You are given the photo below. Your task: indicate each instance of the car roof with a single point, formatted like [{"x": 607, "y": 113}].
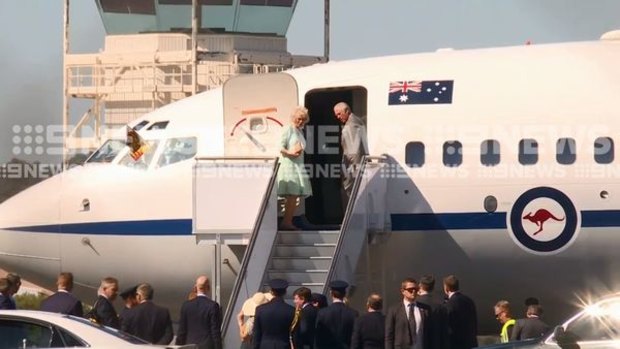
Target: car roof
[{"x": 95, "y": 335}]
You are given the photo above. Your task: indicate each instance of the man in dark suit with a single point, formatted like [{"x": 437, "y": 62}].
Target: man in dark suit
[
  {"x": 273, "y": 321},
  {"x": 129, "y": 296},
  {"x": 103, "y": 309},
  {"x": 530, "y": 327},
  {"x": 63, "y": 301},
  {"x": 462, "y": 318},
  {"x": 334, "y": 324},
  {"x": 406, "y": 323},
  {"x": 201, "y": 319},
  {"x": 148, "y": 320},
  {"x": 438, "y": 318},
  {"x": 305, "y": 315},
  {"x": 369, "y": 329},
  {"x": 5, "y": 294}
]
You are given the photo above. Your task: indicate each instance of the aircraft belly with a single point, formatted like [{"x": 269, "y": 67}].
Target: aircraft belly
[
  {"x": 130, "y": 259},
  {"x": 492, "y": 267},
  {"x": 35, "y": 256}
]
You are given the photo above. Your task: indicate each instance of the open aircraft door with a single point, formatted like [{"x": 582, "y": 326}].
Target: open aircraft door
[{"x": 256, "y": 107}]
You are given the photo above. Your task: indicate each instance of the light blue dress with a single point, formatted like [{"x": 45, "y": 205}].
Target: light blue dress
[{"x": 292, "y": 177}]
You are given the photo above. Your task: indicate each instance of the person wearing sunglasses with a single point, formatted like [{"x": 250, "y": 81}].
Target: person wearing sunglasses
[
  {"x": 406, "y": 323},
  {"x": 504, "y": 316}
]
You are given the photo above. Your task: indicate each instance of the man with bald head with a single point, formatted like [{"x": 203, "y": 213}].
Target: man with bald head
[{"x": 200, "y": 319}]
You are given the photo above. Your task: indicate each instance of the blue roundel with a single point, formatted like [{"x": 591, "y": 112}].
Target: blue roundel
[{"x": 537, "y": 213}]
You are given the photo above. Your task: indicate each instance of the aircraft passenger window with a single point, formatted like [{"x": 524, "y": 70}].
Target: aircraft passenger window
[
  {"x": 565, "y": 151},
  {"x": 284, "y": 3},
  {"x": 414, "y": 154},
  {"x": 177, "y": 149},
  {"x": 489, "y": 152},
  {"x": 528, "y": 151},
  {"x": 161, "y": 125},
  {"x": 143, "y": 162},
  {"x": 452, "y": 153},
  {"x": 145, "y": 7},
  {"x": 107, "y": 152},
  {"x": 604, "y": 150}
]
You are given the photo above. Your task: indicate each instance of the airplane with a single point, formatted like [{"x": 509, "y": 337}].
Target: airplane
[{"x": 501, "y": 162}]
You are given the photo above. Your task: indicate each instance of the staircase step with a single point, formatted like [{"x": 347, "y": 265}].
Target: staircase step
[
  {"x": 315, "y": 287},
  {"x": 301, "y": 262},
  {"x": 308, "y": 237},
  {"x": 314, "y": 250},
  {"x": 299, "y": 276}
]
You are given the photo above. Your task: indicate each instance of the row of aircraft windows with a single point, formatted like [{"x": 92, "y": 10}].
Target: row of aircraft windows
[
  {"x": 566, "y": 152},
  {"x": 147, "y": 7}
]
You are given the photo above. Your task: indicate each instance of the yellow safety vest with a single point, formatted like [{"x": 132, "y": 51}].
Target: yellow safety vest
[{"x": 503, "y": 336}]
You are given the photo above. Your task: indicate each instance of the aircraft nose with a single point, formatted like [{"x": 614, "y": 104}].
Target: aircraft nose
[{"x": 35, "y": 206}]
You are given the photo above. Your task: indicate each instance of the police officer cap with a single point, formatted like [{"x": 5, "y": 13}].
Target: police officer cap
[
  {"x": 278, "y": 284},
  {"x": 129, "y": 292},
  {"x": 338, "y": 285}
]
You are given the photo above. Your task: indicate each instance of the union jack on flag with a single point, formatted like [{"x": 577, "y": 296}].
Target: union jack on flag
[{"x": 405, "y": 86}]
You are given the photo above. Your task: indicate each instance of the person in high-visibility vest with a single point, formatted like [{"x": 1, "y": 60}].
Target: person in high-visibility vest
[{"x": 504, "y": 316}]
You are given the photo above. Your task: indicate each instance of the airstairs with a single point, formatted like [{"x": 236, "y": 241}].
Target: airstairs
[{"x": 310, "y": 258}]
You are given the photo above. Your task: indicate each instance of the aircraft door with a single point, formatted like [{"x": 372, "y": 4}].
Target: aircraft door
[{"x": 256, "y": 107}]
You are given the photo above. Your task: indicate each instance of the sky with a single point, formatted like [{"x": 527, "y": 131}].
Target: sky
[{"x": 32, "y": 32}]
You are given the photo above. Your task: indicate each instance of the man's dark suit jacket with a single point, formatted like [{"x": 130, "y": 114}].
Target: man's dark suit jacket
[
  {"x": 200, "y": 323},
  {"x": 64, "y": 303},
  {"x": 438, "y": 319},
  {"x": 462, "y": 322},
  {"x": 334, "y": 326},
  {"x": 106, "y": 313},
  {"x": 397, "y": 326},
  {"x": 149, "y": 322},
  {"x": 527, "y": 328},
  {"x": 6, "y": 303},
  {"x": 272, "y": 325},
  {"x": 369, "y": 331},
  {"x": 303, "y": 336}
]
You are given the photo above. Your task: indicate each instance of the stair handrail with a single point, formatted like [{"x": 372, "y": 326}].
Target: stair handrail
[
  {"x": 348, "y": 213},
  {"x": 248, "y": 252}
]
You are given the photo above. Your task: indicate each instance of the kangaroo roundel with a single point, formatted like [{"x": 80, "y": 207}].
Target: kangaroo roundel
[{"x": 543, "y": 220}]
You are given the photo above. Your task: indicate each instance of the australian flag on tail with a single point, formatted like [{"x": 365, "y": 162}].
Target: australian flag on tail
[{"x": 421, "y": 92}]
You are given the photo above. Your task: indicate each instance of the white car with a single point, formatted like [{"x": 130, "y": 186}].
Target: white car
[
  {"x": 37, "y": 329},
  {"x": 597, "y": 326}
]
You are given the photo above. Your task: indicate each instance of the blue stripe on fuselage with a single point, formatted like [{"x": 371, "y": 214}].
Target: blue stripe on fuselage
[
  {"x": 400, "y": 222},
  {"x": 150, "y": 227}
]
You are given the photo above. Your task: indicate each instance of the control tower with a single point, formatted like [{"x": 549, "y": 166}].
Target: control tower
[{"x": 160, "y": 51}]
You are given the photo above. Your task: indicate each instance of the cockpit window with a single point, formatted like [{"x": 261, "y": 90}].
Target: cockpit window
[
  {"x": 161, "y": 125},
  {"x": 143, "y": 162},
  {"x": 177, "y": 149},
  {"x": 140, "y": 125},
  {"x": 107, "y": 152}
]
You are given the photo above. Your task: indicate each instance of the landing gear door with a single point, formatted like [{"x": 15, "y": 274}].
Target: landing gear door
[{"x": 256, "y": 107}]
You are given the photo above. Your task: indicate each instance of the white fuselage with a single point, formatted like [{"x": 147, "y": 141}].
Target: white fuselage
[{"x": 138, "y": 226}]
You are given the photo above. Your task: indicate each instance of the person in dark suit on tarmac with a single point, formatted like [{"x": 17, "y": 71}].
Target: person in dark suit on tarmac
[
  {"x": 129, "y": 296},
  {"x": 305, "y": 313},
  {"x": 148, "y": 320},
  {"x": 103, "y": 309},
  {"x": 407, "y": 323},
  {"x": 530, "y": 327},
  {"x": 273, "y": 321},
  {"x": 334, "y": 324},
  {"x": 462, "y": 318},
  {"x": 369, "y": 329},
  {"x": 63, "y": 301},
  {"x": 438, "y": 318},
  {"x": 200, "y": 319}
]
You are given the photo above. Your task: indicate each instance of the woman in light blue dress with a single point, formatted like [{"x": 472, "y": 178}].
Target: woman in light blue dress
[{"x": 293, "y": 179}]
